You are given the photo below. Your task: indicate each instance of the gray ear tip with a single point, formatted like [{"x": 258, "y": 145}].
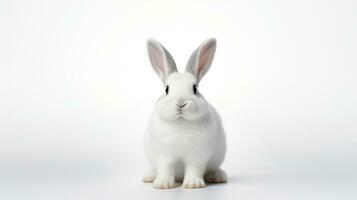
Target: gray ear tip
[
  {"x": 212, "y": 40},
  {"x": 152, "y": 42}
]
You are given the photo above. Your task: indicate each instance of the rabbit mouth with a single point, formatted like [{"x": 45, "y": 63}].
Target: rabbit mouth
[
  {"x": 181, "y": 115},
  {"x": 180, "y": 112}
]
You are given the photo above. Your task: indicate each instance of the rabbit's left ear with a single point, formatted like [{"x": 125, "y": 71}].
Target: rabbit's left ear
[
  {"x": 201, "y": 59},
  {"x": 160, "y": 59}
]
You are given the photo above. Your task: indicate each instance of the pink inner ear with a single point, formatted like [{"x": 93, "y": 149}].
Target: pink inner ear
[
  {"x": 205, "y": 58},
  {"x": 157, "y": 60}
]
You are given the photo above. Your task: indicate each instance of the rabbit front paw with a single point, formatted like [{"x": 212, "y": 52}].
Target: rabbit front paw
[
  {"x": 149, "y": 176},
  {"x": 164, "y": 182},
  {"x": 193, "y": 182}
]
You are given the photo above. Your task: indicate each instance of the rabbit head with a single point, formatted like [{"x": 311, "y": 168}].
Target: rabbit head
[{"x": 181, "y": 98}]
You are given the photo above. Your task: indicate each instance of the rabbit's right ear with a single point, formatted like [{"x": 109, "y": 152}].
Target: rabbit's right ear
[
  {"x": 160, "y": 59},
  {"x": 201, "y": 59}
]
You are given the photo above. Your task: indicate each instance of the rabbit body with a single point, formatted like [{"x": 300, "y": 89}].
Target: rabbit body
[{"x": 185, "y": 140}]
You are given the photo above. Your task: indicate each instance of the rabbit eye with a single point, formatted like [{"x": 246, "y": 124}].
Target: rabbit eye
[
  {"x": 167, "y": 90},
  {"x": 194, "y": 89}
]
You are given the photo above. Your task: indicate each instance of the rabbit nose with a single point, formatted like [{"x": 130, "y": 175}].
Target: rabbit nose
[{"x": 182, "y": 105}]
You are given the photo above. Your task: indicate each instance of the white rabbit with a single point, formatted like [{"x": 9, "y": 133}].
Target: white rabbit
[{"x": 185, "y": 139}]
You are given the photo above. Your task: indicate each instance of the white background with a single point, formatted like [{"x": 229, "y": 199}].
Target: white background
[{"x": 77, "y": 90}]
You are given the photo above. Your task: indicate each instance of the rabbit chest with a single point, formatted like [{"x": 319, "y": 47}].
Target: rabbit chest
[{"x": 182, "y": 139}]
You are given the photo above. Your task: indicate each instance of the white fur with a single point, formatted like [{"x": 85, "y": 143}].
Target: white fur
[{"x": 184, "y": 144}]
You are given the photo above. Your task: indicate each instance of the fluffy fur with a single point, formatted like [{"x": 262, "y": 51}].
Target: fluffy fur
[{"x": 185, "y": 140}]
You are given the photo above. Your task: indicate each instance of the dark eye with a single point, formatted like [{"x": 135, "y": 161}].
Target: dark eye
[
  {"x": 167, "y": 90},
  {"x": 195, "y": 89}
]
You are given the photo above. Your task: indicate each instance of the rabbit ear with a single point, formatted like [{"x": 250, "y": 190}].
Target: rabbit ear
[
  {"x": 201, "y": 59},
  {"x": 160, "y": 59}
]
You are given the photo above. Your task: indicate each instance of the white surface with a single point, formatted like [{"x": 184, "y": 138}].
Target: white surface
[{"x": 73, "y": 112}]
